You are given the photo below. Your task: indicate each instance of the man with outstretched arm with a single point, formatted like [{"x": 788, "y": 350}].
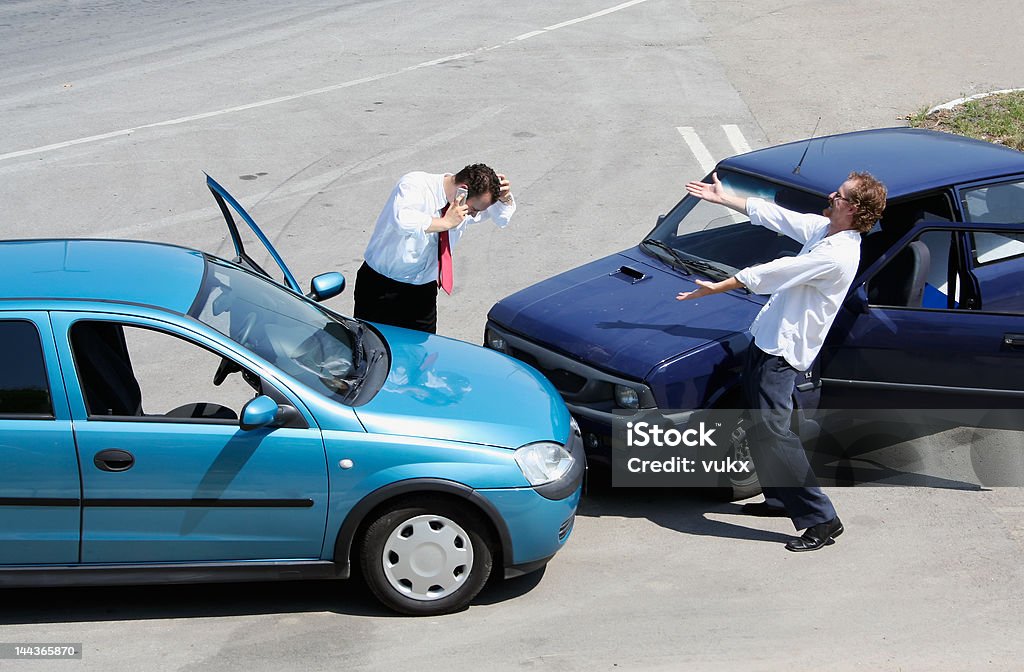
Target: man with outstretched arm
[{"x": 806, "y": 293}]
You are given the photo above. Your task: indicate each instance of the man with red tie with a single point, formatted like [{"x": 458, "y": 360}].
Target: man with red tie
[{"x": 410, "y": 252}]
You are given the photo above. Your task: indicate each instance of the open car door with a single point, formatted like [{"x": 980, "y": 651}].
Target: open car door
[{"x": 224, "y": 199}]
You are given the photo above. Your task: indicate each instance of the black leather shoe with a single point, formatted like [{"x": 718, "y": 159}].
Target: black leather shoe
[
  {"x": 817, "y": 536},
  {"x": 762, "y": 509}
]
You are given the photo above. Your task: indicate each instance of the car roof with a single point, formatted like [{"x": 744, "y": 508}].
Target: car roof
[
  {"x": 154, "y": 274},
  {"x": 907, "y": 160}
]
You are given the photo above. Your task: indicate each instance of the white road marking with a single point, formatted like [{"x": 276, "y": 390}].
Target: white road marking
[
  {"x": 736, "y": 139},
  {"x": 700, "y": 152},
  {"x": 314, "y": 92},
  {"x": 526, "y": 36},
  {"x": 588, "y": 17},
  {"x": 707, "y": 161}
]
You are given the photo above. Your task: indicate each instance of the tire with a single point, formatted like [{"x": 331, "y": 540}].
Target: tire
[
  {"x": 731, "y": 487},
  {"x": 426, "y": 558},
  {"x": 742, "y": 486}
]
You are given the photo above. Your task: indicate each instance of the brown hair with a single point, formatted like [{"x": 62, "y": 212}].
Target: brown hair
[
  {"x": 479, "y": 179},
  {"x": 868, "y": 194}
]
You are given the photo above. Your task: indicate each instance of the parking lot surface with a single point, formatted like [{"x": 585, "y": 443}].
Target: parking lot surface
[{"x": 599, "y": 112}]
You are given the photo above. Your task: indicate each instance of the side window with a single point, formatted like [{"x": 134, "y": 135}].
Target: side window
[
  {"x": 995, "y": 203},
  {"x": 997, "y": 260},
  {"x": 24, "y": 388},
  {"x": 929, "y": 273},
  {"x": 134, "y": 372},
  {"x": 988, "y": 247},
  {"x": 897, "y": 219}
]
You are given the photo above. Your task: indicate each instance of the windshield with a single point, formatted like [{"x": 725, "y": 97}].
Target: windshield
[
  {"x": 295, "y": 335},
  {"x": 718, "y": 242}
]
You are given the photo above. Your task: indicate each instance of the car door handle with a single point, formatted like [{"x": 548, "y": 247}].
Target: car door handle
[
  {"x": 114, "y": 459},
  {"x": 1014, "y": 340}
]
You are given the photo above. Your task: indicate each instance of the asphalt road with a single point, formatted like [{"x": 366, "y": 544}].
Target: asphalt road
[{"x": 309, "y": 111}]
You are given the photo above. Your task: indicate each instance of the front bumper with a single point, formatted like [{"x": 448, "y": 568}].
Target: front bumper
[
  {"x": 537, "y": 527},
  {"x": 539, "y": 520}
]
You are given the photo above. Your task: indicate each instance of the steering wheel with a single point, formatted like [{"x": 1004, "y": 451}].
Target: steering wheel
[{"x": 226, "y": 368}]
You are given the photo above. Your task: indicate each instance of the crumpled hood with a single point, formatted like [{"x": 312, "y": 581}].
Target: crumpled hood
[
  {"x": 614, "y": 321},
  {"x": 442, "y": 388}
]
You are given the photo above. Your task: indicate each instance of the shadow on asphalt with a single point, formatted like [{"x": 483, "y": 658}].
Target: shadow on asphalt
[
  {"x": 675, "y": 509},
  {"x": 133, "y": 603}
]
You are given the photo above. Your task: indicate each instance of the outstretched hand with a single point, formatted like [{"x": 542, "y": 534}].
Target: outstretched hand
[
  {"x": 704, "y": 288},
  {"x": 713, "y": 192}
]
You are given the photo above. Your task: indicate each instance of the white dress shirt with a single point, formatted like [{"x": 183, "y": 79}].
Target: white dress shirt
[
  {"x": 806, "y": 290},
  {"x": 400, "y": 246}
]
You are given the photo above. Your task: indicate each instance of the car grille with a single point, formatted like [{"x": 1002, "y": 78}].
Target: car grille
[{"x": 564, "y": 381}]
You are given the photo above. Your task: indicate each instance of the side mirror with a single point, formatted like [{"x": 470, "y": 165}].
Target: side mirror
[
  {"x": 661, "y": 218},
  {"x": 258, "y": 412},
  {"x": 326, "y": 285}
]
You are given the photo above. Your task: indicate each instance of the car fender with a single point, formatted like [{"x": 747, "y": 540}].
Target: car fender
[{"x": 346, "y": 536}]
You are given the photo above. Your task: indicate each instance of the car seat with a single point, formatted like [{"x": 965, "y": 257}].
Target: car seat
[
  {"x": 105, "y": 369},
  {"x": 901, "y": 281}
]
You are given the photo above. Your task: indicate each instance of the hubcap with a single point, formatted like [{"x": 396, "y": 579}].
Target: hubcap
[{"x": 427, "y": 557}]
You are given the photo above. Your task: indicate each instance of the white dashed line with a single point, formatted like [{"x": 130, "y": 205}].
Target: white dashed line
[
  {"x": 736, "y": 139},
  {"x": 700, "y": 152},
  {"x": 315, "y": 92},
  {"x": 526, "y": 36},
  {"x": 588, "y": 17}
]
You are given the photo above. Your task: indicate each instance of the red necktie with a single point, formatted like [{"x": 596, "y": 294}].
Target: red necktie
[{"x": 445, "y": 277}]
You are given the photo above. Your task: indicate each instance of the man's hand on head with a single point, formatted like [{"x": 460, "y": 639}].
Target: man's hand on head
[{"x": 505, "y": 189}]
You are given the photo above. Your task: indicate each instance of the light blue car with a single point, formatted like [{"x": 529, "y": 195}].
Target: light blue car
[{"x": 167, "y": 416}]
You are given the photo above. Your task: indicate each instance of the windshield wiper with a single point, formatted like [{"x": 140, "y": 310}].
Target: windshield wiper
[
  {"x": 358, "y": 381},
  {"x": 357, "y": 346},
  {"x": 678, "y": 258},
  {"x": 706, "y": 267}
]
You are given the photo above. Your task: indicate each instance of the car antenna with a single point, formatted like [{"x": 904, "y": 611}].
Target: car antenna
[{"x": 796, "y": 171}]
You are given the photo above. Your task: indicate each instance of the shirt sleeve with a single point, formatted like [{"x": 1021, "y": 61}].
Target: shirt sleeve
[
  {"x": 796, "y": 225},
  {"x": 815, "y": 268},
  {"x": 412, "y": 208},
  {"x": 500, "y": 212}
]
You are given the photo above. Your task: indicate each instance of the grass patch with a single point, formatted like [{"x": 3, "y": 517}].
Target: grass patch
[{"x": 998, "y": 118}]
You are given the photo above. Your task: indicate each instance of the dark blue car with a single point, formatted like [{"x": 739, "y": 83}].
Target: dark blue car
[{"x": 935, "y": 318}]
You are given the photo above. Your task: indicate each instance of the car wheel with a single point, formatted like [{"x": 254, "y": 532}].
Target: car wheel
[
  {"x": 734, "y": 487},
  {"x": 741, "y": 486},
  {"x": 427, "y": 558}
]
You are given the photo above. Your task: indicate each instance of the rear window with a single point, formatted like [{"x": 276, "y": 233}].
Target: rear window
[{"x": 24, "y": 390}]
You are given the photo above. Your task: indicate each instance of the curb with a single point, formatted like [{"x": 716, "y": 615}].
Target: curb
[{"x": 960, "y": 101}]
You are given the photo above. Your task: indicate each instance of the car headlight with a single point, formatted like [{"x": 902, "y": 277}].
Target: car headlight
[
  {"x": 544, "y": 462},
  {"x": 495, "y": 341},
  {"x": 627, "y": 397}
]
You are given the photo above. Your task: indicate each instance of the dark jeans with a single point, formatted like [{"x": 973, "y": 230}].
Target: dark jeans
[
  {"x": 380, "y": 299},
  {"x": 769, "y": 384}
]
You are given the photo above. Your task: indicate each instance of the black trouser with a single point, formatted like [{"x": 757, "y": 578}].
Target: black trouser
[
  {"x": 769, "y": 384},
  {"x": 381, "y": 299}
]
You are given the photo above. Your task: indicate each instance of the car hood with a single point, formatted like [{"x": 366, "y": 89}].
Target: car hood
[
  {"x": 446, "y": 389},
  {"x": 619, "y": 313}
]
